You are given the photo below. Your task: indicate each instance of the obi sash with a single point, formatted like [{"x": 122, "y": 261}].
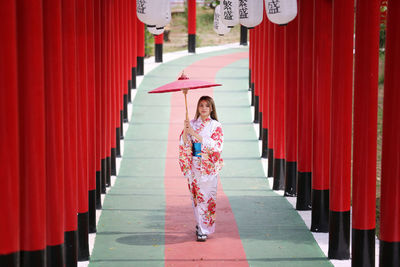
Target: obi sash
[{"x": 197, "y": 150}]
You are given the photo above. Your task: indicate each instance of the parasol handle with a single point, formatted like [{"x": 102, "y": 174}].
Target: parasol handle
[{"x": 185, "y": 93}]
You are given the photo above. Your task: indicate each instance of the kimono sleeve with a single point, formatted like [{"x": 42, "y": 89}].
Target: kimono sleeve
[
  {"x": 213, "y": 145},
  {"x": 185, "y": 156}
]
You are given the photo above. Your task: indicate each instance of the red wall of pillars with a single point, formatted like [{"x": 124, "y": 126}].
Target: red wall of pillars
[
  {"x": 324, "y": 105},
  {"x": 64, "y": 70}
]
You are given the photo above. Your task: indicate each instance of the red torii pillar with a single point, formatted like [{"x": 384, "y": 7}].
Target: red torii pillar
[
  {"x": 54, "y": 102},
  {"x": 264, "y": 100},
  {"x": 304, "y": 115},
  {"x": 31, "y": 122},
  {"x": 109, "y": 86},
  {"x": 129, "y": 32},
  {"x": 9, "y": 139},
  {"x": 252, "y": 64},
  {"x": 83, "y": 161},
  {"x": 251, "y": 47},
  {"x": 98, "y": 80},
  {"x": 191, "y": 26},
  {"x": 365, "y": 132},
  {"x": 279, "y": 109},
  {"x": 133, "y": 43},
  {"x": 257, "y": 59},
  {"x": 124, "y": 57},
  {"x": 140, "y": 47},
  {"x": 389, "y": 254},
  {"x": 92, "y": 123},
  {"x": 70, "y": 131},
  {"x": 260, "y": 74},
  {"x": 291, "y": 84},
  {"x": 158, "y": 47},
  {"x": 341, "y": 129},
  {"x": 321, "y": 114},
  {"x": 105, "y": 74},
  {"x": 118, "y": 89},
  {"x": 119, "y": 81},
  {"x": 271, "y": 97},
  {"x": 115, "y": 92}
]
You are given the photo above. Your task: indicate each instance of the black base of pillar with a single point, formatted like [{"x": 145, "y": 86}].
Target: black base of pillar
[
  {"x": 92, "y": 211},
  {"x": 339, "y": 235},
  {"x": 192, "y": 43},
  {"x": 252, "y": 94},
  {"x": 129, "y": 92},
  {"x": 108, "y": 169},
  {"x": 363, "y": 248},
  {"x": 389, "y": 254},
  {"x": 118, "y": 142},
  {"x": 320, "y": 211},
  {"x": 256, "y": 113},
  {"x": 279, "y": 174},
  {"x": 303, "y": 191},
  {"x": 125, "y": 111},
  {"x": 264, "y": 149},
  {"x": 133, "y": 81},
  {"x": 243, "y": 35},
  {"x": 158, "y": 53},
  {"x": 83, "y": 236},
  {"x": 113, "y": 162},
  {"x": 290, "y": 179},
  {"x": 249, "y": 79},
  {"x": 71, "y": 248},
  {"x": 55, "y": 256},
  {"x": 140, "y": 66},
  {"x": 260, "y": 119},
  {"x": 98, "y": 190},
  {"x": 32, "y": 258},
  {"x": 270, "y": 162},
  {"x": 103, "y": 175},
  {"x": 121, "y": 121},
  {"x": 11, "y": 259}
]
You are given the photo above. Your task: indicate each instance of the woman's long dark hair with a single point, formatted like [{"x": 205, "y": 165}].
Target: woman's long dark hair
[{"x": 211, "y": 103}]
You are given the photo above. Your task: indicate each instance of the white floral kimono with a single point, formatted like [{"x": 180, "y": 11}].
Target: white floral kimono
[{"x": 202, "y": 172}]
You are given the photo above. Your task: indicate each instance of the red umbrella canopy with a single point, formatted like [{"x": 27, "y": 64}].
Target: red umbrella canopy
[{"x": 182, "y": 83}]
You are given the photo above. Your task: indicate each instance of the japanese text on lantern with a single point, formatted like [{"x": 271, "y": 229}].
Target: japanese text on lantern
[
  {"x": 141, "y": 6},
  {"x": 228, "y": 13},
  {"x": 243, "y": 9},
  {"x": 274, "y": 6}
]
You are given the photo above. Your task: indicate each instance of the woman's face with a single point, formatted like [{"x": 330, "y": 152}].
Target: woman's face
[{"x": 204, "y": 109}]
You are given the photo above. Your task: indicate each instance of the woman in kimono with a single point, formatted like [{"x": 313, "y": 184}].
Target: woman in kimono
[{"x": 200, "y": 160}]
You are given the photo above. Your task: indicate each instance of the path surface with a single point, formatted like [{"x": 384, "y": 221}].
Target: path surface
[{"x": 147, "y": 219}]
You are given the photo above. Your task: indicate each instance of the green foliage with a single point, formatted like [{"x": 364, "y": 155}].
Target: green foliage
[
  {"x": 205, "y": 19},
  {"x": 381, "y": 67},
  {"x": 382, "y": 36},
  {"x": 148, "y": 43}
]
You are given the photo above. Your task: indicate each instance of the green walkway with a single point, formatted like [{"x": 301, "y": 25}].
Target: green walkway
[{"x": 131, "y": 228}]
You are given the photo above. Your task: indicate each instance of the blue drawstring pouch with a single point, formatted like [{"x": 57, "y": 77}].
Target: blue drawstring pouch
[{"x": 197, "y": 150}]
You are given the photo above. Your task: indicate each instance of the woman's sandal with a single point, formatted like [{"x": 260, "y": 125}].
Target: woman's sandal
[{"x": 200, "y": 236}]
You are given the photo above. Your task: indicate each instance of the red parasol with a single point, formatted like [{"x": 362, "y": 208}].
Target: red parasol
[{"x": 183, "y": 84}]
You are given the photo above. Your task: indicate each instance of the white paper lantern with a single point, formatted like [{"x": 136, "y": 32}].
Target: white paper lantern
[
  {"x": 230, "y": 12},
  {"x": 219, "y": 27},
  {"x": 281, "y": 11},
  {"x": 167, "y": 16},
  {"x": 152, "y": 12},
  {"x": 250, "y": 12},
  {"x": 155, "y": 30}
]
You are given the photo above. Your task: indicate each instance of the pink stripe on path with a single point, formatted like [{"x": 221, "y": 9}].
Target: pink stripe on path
[{"x": 224, "y": 247}]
